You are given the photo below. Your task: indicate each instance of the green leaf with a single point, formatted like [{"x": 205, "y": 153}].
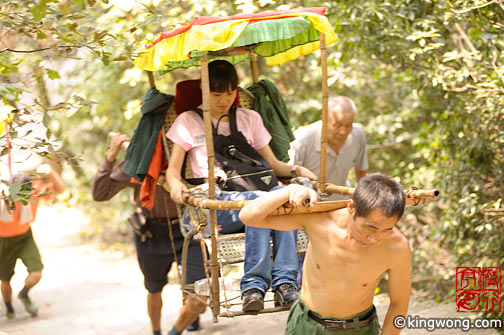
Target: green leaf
[
  {"x": 99, "y": 35},
  {"x": 4, "y": 151},
  {"x": 83, "y": 101},
  {"x": 41, "y": 35},
  {"x": 14, "y": 188},
  {"x": 44, "y": 193},
  {"x": 65, "y": 9},
  {"x": 52, "y": 74},
  {"x": 78, "y": 2},
  {"x": 39, "y": 11},
  {"x": 474, "y": 33},
  {"x": 45, "y": 120}
]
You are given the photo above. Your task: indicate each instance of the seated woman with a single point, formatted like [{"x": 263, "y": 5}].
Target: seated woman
[{"x": 187, "y": 134}]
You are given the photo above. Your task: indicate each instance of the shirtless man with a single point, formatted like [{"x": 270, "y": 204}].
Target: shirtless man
[{"x": 350, "y": 250}]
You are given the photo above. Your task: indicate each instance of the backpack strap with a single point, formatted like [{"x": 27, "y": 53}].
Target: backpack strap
[
  {"x": 200, "y": 113},
  {"x": 232, "y": 120}
]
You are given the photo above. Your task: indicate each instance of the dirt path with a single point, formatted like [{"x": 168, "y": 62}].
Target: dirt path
[{"x": 85, "y": 291}]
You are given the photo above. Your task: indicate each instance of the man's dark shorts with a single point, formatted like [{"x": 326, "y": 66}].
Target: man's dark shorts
[
  {"x": 22, "y": 247},
  {"x": 155, "y": 256}
]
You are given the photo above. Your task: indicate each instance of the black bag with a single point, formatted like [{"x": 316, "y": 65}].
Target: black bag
[
  {"x": 138, "y": 222},
  {"x": 245, "y": 168}
]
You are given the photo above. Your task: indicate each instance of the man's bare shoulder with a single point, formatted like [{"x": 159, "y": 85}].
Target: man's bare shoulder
[
  {"x": 397, "y": 245},
  {"x": 315, "y": 221},
  {"x": 318, "y": 217},
  {"x": 337, "y": 217}
]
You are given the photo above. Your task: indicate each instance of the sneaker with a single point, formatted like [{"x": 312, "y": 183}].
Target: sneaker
[
  {"x": 285, "y": 295},
  {"x": 10, "y": 316},
  {"x": 28, "y": 304},
  {"x": 253, "y": 300},
  {"x": 193, "y": 326}
]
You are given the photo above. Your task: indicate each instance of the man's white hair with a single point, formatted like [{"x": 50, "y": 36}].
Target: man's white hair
[{"x": 345, "y": 103}]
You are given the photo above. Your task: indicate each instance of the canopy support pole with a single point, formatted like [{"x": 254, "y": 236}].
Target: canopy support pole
[
  {"x": 207, "y": 119},
  {"x": 254, "y": 67},
  {"x": 325, "y": 108},
  {"x": 152, "y": 82}
]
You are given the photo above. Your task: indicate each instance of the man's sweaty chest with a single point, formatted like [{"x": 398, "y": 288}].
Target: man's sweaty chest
[{"x": 358, "y": 268}]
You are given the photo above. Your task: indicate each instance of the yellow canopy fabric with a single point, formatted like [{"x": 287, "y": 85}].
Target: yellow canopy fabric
[
  {"x": 6, "y": 115},
  {"x": 214, "y": 34}
]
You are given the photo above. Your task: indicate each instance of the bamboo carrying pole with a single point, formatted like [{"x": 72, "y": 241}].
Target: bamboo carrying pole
[
  {"x": 207, "y": 119},
  {"x": 152, "y": 82},
  {"x": 325, "y": 107},
  {"x": 254, "y": 67},
  {"x": 286, "y": 209},
  {"x": 410, "y": 194},
  {"x": 413, "y": 197}
]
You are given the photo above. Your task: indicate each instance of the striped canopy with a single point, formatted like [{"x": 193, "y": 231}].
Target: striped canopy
[{"x": 277, "y": 36}]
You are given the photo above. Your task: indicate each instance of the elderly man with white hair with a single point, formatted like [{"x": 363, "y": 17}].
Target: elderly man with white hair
[{"x": 346, "y": 144}]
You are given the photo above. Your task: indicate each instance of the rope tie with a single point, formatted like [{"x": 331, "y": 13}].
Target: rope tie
[{"x": 416, "y": 200}]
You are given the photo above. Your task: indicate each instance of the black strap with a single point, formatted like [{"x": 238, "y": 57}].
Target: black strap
[
  {"x": 232, "y": 120},
  {"x": 364, "y": 320},
  {"x": 196, "y": 181},
  {"x": 231, "y": 115},
  {"x": 216, "y": 128}
]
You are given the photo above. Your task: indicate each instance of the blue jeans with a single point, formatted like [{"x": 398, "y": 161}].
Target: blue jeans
[
  {"x": 257, "y": 264},
  {"x": 229, "y": 220}
]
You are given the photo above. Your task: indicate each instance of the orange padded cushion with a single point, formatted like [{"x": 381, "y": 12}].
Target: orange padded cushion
[{"x": 188, "y": 95}]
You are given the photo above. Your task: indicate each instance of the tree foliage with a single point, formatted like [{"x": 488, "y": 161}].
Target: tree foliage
[{"x": 435, "y": 73}]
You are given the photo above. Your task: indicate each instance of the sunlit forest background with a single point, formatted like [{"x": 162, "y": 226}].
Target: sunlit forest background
[{"x": 427, "y": 77}]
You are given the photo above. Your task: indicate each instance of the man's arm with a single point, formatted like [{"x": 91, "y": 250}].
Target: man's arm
[
  {"x": 104, "y": 187},
  {"x": 282, "y": 169},
  {"x": 50, "y": 175},
  {"x": 59, "y": 184},
  {"x": 399, "y": 286},
  {"x": 360, "y": 174},
  {"x": 255, "y": 213}
]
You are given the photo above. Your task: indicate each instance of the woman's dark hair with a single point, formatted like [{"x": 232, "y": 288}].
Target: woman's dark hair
[
  {"x": 222, "y": 76},
  {"x": 376, "y": 191}
]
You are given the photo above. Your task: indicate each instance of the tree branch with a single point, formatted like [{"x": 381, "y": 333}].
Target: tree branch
[
  {"x": 465, "y": 38},
  {"x": 24, "y": 51},
  {"x": 494, "y": 64},
  {"x": 472, "y": 87},
  {"x": 468, "y": 9},
  {"x": 41, "y": 49}
]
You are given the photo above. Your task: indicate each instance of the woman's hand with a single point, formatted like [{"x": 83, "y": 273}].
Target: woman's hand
[{"x": 178, "y": 191}]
